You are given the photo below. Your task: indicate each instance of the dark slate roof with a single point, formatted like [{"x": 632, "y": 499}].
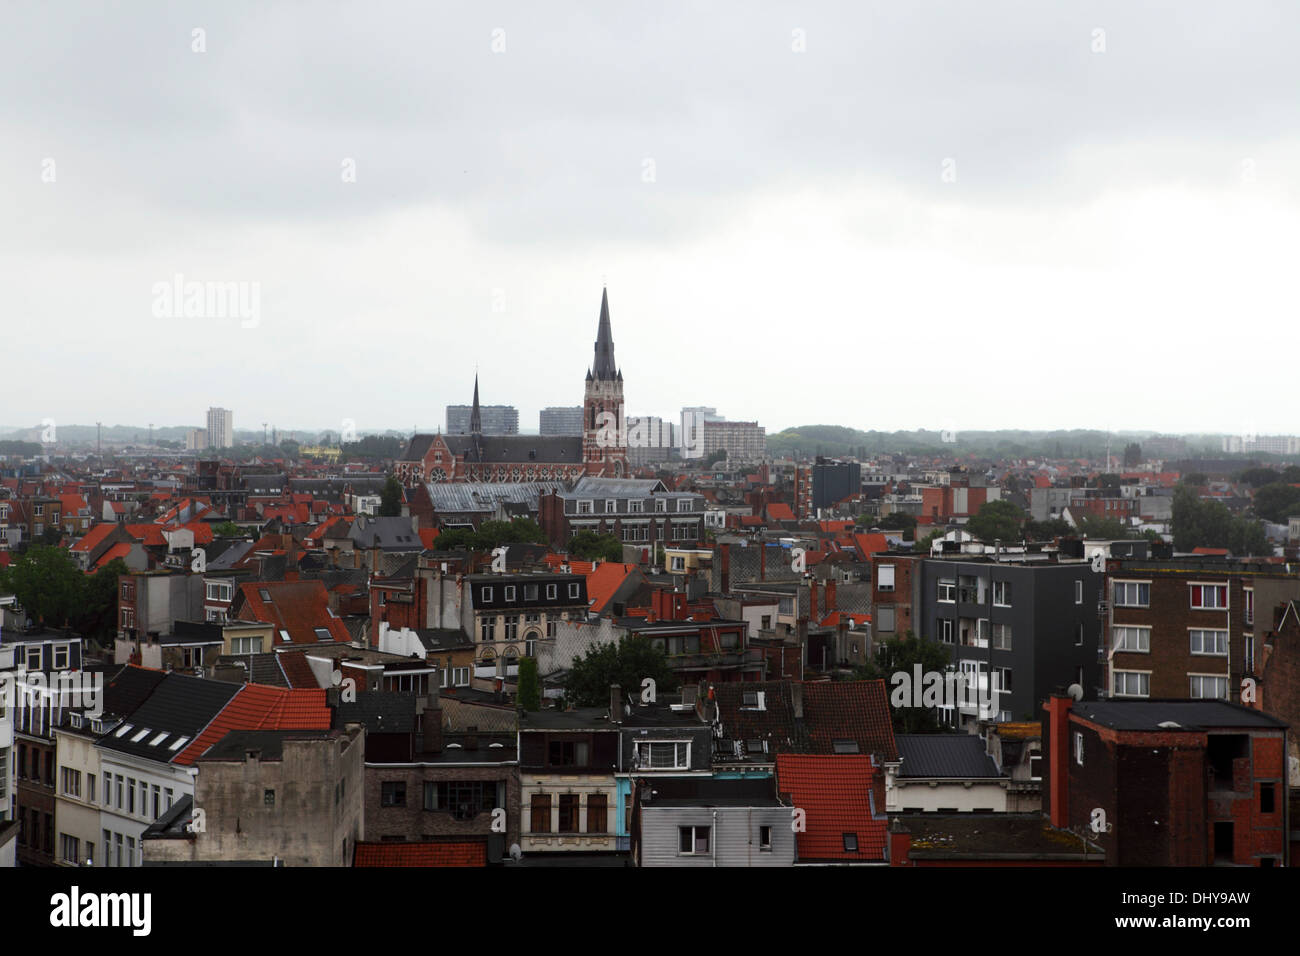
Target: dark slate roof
[
  {"x": 1190, "y": 715},
  {"x": 857, "y": 710},
  {"x": 172, "y": 824},
  {"x": 775, "y": 723},
  {"x": 417, "y": 448},
  {"x": 129, "y": 688},
  {"x": 580, "y": 718},
  {"x": 711, "y": 792},
  {"x": 380, "y": 711},
  {"x": 944, "y": 755},
  {"x": 264, "y": 669},
  {"x": 270, "y": 743},
  {"x": 543, "y": 449},
  {"x": 393, "y": 533},
  {"x": 179, "y": 706},
  {"x": 443, "y": 638}
]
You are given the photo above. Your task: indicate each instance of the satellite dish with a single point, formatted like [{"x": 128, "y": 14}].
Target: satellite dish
[
  {"x": 1075, "y": 691},
  {"x": 515, "y": 852}
]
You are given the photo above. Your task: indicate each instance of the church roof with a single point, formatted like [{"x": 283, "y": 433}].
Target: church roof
[
  {"x": 603, "y": 368},
  {"x": 524, "y": 449}
]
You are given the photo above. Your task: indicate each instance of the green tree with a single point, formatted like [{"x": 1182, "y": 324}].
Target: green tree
[
  {"x": 458, "y": 539},
  {"x": 493, "y": 534},
  {"x": 529, "y": 694},
  {"x": 1259, "y": 477},
  {"x": 589, "y": 546},
  {"x": 226, "y": 529},
  {"x": 1199, "y": 523},
  {"x": 923, "y": 545},
  {"x": 627, "y": 664},
  {"x": 1132, "y": 455},
  {"x": 46, "y": 582},
  {"x": 1276, "y": 501},
  {"x": 1103, "y": 529},
  {"x": 390, "y": 498},
  {"x": 996, "y": 521},
  {"x": 899, "y": 655},
  {"x": 96, "y": 613},
  {"x": 1046, "y": 530},
  {"x": 898, "y": 522}
]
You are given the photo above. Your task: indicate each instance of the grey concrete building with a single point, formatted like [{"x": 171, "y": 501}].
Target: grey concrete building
[
  {"x": 497, "y": 419},
  {"x": 560, "y": 420},
  {"x": 292, "y": 796}
]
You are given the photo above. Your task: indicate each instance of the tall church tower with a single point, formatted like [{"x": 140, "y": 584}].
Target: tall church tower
[{"x": 604, "y": 427}]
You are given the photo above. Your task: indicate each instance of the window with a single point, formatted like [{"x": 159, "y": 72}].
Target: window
[
  {"x": 947, "y": 590},
  {"x": 636, "y": 507},
  {"x": 945, "y": 630},
  {"x": 34, "y": 658},
  {"x": 1003, "y": 677},
  {"x": 1248, "y": 596},
  {"x": 71, "y": 849},
  {"x": 573, "y": 590},
  {"x": 1132, "y": 594},
  {"x": 693, "y": 841},
  {"x": 1133, "y": 640},
  {"x": 885, "y": 617},
  {"x": 1078, "y": 592},
  {"x": 1210, "y": 643},
  {"x": 1208, "y": 687},
  {"x": 550, "y": 592},
  {"x": 1267, "y": 797},
  {"x": 157, "y": 801},
  {"x": 1078, "y": 635},
  {"x": 245, "y": 645},
  {"x": 568, "y": 753},
  {"x": 530, "y": 593},
  {"x": 460, "y": 676},
  {"x": 540, "y": 813},
  {"x": 568, "y": 813},
  {"x": 487, "y": 629},
  {"x": 1131, "y": 684},
  {"x": 71, "y": 782},
  {"x": 844, "y": 746},
  {"x": 584, "y": 507},
  {"x": 90, "y": 853},
  {"x": 611, "y": 506},
  {"x": 678, "y": 563},
  {"x": 322, "y": 634},
  {"x": 683, "y": 504},
  {"x": 61, "y": 657},
  {"x": 90, "y": 784},
  {"x": 663, "y": 756},
  {"x": 487, "y": 595},
  {"x": 464, "y": 799},
  {"x": 1209, "y": 596},
  {"x": 765, "y": 838},
  {"x": 885, "y": 578},
  {"x": 1002, "y": 593},
  {"x": 850, "y": 843},
  {"x": 510, "y": 592},
  {"x": 217, "y": 591},
  {"x": 512, "y": 627},
  {"x": 969, "y": 590},
  {"x": 1002, "y": 637},
  {"x": 1036, "y": 767},
  {"x": 1078, "y": 748},
  {"x": 551, "y": 626},
  {"x": 392, "y": 793},
  {"x": 268, "y": 799},
  {"x": 661, "y": 504}
]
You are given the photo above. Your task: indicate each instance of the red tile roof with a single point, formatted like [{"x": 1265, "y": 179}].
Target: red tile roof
[
  {"x": 857, "y": 710},
  {"x": 421, "y": 854},
  {"x": 119, "y": 550},
  {"x": 870, "y": 542},
  {"x": 427, "y": 537},
  {"x": 779, "y": 511},
  {"x": 260, "y": 707},
  {"x": 604, "y": 581},
  {"x": 835, "y": 791},
  {"x": 297, "y": 671},
  {"x": 298, "y": 607},
  {"x": 94, "y": 536}
]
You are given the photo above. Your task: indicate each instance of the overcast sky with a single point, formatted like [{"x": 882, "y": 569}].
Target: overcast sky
[{"x": 883, "y": 215}]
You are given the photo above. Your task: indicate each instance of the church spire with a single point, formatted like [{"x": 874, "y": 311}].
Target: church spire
[
  {"x": 475, "y": 416},
  {"x": 603, "y": 367}
]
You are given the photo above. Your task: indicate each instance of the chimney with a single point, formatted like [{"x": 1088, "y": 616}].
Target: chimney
[
  {"x": 615, "y": 703},
  {"x": 1058, "y": 710},
  {"x": 431, "y": 720},
  {"x": 726, "y": 568},
  {"x": 900, "y": 843},
  {"x": 830, "y": 595},
  {"x": 796, "y": 699}
]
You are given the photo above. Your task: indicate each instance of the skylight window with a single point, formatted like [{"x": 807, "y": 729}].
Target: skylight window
[
  {"x": 159, "y": 739},
  {"x": 178, "y": 743},
  {"x": 845, "y": 746},
  {"x": 322, "y": 634},
  {"x": 123, "y": 730},
  {"x": 140, "y": 736}
]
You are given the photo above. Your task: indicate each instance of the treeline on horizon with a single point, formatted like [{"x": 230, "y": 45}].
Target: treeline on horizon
[{"x": 838, "y": 440}]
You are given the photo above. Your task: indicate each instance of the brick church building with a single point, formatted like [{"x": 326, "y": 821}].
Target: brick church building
[{"x": 600, "y": 452}]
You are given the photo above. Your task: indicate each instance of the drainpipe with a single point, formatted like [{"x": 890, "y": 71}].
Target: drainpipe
[{"x": 715, "y": 838}]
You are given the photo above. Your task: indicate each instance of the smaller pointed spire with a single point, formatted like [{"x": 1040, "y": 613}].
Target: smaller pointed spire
[
  {"x": 475, "y": 416},
  {"x": 604, "y": 368}
]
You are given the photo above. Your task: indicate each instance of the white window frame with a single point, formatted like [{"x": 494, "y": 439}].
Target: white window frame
[
  {"x": 1202, "y": 678},
  {"x": 946, "y": 630},
  {"x": 510, "y": 592},
  {"x": 681, "y": 753},
  {"x": 1002, "y": 641},
  {"x": 487, "y": 595},
  {"x": 1248, "y": 599},
  {"x": 1125, "y": 677},
  {"x": 551, "y": 592},
  {"x": 1142, "y": 634},
  {"x": 1126, "y": 584},
  {"x": 1078, "y": 592},
  {"x": 1211, "y": 587},
  {"x": 574, "y": 590},
  {"x": 885, "y": 577},
  {"x": 947, "y": 586},
  {"x": 694, "y": 841},
  {"x": 1005, "y": 588},
  {"x": 1220, "y": 634},
  {"x": 1078, "y": 748}
]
